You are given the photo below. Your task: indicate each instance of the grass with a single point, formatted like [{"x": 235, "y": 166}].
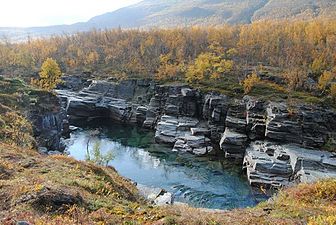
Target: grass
[
  {"x": 60, "y": 190},
  {"x": 310, "y": 202},
  {"x": 98, "y": 195},
  {"x": 33, "y": 176},
  {"x": 269, "y": 91},
  {"x": 264, "y": 90},
  {"x": 227, "y": 86},
  {"x": 17, "y": 101}
]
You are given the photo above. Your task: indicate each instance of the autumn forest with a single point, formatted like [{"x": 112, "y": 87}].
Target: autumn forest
[
  {"x": 184, "y": 112},
  {"x": 284, "y": 56}
]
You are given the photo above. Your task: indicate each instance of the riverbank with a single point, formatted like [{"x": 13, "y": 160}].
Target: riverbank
[
  {"x": 42, "y": 189},
  {"x": 202, "y": 182},
  {"x": 60, "y": 190}
]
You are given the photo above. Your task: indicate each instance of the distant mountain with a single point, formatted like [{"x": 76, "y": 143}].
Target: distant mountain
[{"x": 172, "y": 13}]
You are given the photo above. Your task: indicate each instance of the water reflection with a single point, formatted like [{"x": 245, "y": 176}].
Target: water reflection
[{"x": 200, "y": 182}]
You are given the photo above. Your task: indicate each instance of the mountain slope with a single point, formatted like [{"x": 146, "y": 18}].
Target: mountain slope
[
  {"x": 159, "y": 13},
  {"x": 172, "y": 13},
  {"x": 297, "y": 9}
]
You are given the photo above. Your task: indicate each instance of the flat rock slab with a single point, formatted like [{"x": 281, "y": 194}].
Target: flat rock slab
[{"x": 280, "y": 165}]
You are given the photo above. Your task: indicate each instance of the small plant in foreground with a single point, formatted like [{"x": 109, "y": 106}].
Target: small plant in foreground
[{"x": 98, "y": 157}]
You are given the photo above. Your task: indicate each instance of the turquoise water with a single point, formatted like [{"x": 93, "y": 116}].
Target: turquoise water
[{"x": 201, "y": 182}]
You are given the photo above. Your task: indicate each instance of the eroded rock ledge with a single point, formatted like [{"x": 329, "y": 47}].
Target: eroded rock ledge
[
  {"x": 268, "y": 163},
  {"x": 275, "y": 141}
]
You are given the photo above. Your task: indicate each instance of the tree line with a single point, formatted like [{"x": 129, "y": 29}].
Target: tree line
[{"x": 300, "y": 49}]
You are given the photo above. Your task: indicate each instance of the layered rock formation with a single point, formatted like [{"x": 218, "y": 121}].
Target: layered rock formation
[
  {"x": 268, "y": 163},
  {"x": 234, "y": 140},
  {"x": 198, "y": 123},
  {"x": 49, "y": 122},
  {"x": 108, "y": 100}
]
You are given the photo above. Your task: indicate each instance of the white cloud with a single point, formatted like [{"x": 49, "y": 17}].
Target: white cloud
[{"x": 24, "y": 13}]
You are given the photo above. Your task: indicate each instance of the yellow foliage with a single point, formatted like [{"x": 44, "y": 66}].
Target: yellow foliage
[
  {"x": 232, "y": 52},
  {"x": 323, "y": 220},
  {"x": 15, "y": 130},
  {"x": 92, "y": 58},
  {"x": 279, "y": 44},
  {"x": 325, "y": 80},
  {"x": 71, "y": 63},
  {"x": 38, "y": 187},
  {"x": 50, "y": 75},
  {"x": 169, "y": 69},
  {"x": 224, "y": 66},
  {"x": 200, "y": 69},
  {"x": 318, "y": 65},
  {"x": 295, "y": 76},
  {"x": 333, "y": 91},
  {"x": 250, "y": 82},
  {"x": 208, "y": 66}
]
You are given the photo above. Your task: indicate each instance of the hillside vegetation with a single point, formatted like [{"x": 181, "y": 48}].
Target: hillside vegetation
[
  {"x": 181, "y": 13},
  {"x": 14, "y": 102},
  {"x": 290, "y": 60},
  {"x": 60, "y": 190},
  {"x": 154, "y": 13}
]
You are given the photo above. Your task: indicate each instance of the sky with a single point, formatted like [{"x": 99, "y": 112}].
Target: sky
[{"x": 27, "y": 13}]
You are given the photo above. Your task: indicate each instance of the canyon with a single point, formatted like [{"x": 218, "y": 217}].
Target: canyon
[{"x": 276, "y": 143}]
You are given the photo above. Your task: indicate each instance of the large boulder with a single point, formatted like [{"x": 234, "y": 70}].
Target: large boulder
[
  {"x": 185, "y": 134},
  {"x": 267, "y": 164},
  {"x": 234, "y": 140},
  {"x": 170, "y": 128},
  {"x": 153, "y": 112},
  {"x": 197, "y": 145},
  {"x": 141, "y": 112},
  {"x": 157, "y": 196},
  {"x": 236, "y": 117},
  {"x": 119, "y": 109},
  {"x": 233, "y": 144},
  {"x": 318, "y": 126},
  {"x": 98, "y": 101},
  {"x": 74, "y": 82}
]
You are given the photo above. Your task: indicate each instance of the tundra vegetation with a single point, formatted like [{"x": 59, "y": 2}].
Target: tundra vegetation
[
  {"x": 229, "y": 59},
  {"x": 295, "y": 60}
]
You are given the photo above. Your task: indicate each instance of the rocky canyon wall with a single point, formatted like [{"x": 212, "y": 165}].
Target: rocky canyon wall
[{"x": 278, "y": 144}]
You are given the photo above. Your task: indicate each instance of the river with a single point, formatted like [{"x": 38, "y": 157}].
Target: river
[{"x": 207, "y": 182}]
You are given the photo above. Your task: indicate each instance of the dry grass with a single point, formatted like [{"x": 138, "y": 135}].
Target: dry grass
[
  {"x": 89, "y": 193},
  {"x": 72, "y": 192},
  {"x": 60, "y": 190}
]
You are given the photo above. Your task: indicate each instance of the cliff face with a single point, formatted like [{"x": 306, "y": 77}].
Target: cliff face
[
  {"x": 49, "y": 122},
  {"x": 30, "y": 117},
  {"x": 39, "y": 189},
  {"x": 275, "y": 140}
]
